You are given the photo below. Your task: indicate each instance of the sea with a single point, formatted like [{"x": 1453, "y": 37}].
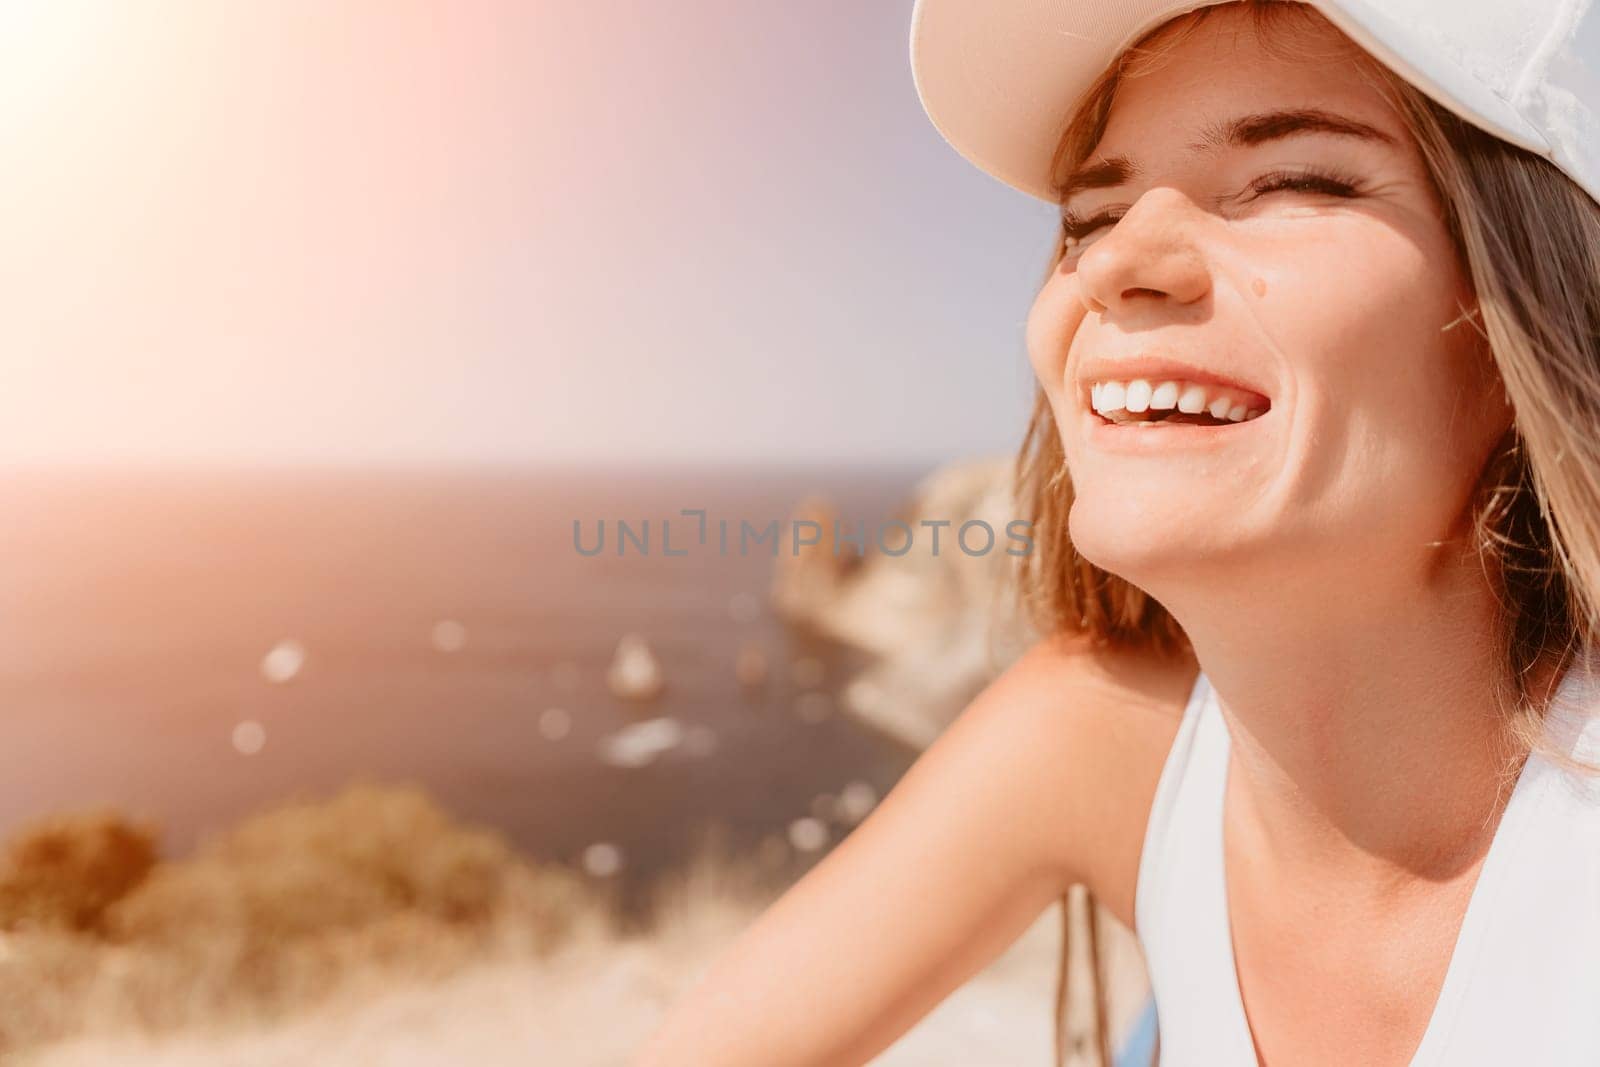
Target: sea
[{"x": 191, "y": 646}]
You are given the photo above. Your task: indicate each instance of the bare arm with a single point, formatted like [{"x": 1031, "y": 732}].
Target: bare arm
[{"x": 978, "y": 837}]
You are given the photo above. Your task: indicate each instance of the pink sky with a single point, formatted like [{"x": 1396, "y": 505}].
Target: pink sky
[{"x": 363, "y": 231}]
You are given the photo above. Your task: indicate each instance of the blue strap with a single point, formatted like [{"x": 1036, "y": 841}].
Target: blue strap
[{"x": 1139, "y": 1049}]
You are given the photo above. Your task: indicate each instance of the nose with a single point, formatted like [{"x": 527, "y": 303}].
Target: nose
[{"x": 1148, "y": 258}]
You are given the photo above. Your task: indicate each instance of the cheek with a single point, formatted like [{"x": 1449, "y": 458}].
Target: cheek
[
  {"x": 1360, "y": 312},
  {"x": 1053, "y": 321},
  {"x": 1392, "y": 407}
]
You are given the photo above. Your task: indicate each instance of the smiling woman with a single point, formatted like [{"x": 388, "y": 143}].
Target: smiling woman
[
  {"x": 1434, "y": 240},
  {"x": 1248, "y": 192},
  {"x": 1315, "y": 487}
]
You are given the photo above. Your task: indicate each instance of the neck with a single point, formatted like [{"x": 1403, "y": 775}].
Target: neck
[{"x": 1366, "y": 740}]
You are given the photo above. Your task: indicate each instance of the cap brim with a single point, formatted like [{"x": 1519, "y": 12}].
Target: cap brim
[{"x": 998, "y": 78}]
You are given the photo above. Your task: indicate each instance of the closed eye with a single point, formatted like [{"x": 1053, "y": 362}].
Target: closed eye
[{"x": 1075, "y": 228}]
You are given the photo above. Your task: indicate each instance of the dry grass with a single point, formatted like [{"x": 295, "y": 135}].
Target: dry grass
[
  {"x": 373, "y": 929},
  {"x": 590, "y": 1002},
  {"x": 288, "y": 909}
]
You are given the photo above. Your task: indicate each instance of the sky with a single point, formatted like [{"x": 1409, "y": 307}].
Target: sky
[{"x": 268, "y": 232}]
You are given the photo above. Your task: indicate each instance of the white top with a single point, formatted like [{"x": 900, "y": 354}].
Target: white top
[{"x": 1523, "y": 983}]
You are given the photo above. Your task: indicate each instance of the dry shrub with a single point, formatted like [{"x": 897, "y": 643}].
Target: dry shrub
[
  {"x": 63, "y": 872},
  {"x": 283, "y": 911},
  {"x": 309, "y": 867}
]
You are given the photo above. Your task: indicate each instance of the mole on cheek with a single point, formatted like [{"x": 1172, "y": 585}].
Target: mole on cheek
[{"x": 1259, "y": 287}]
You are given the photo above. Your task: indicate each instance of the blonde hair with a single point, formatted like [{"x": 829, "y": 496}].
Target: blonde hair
[{"x": 1529, "y": 238}]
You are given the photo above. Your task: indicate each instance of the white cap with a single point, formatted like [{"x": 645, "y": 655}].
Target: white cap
[{"x": 999, "y": 77}]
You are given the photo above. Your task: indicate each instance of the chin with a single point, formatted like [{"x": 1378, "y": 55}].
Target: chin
[{"x": 1145, "y": 545}]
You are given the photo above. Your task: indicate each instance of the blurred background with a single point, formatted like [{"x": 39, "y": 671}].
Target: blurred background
[{"x": 336, "y": 337}]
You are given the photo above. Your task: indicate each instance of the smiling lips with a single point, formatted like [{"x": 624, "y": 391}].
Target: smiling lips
[{"x": 1173, "y": 400}]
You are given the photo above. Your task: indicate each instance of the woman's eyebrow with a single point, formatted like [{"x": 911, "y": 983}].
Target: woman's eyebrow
[
  {"x": 1270, "y": 125},
  {"x": 1242, "y": 132}
]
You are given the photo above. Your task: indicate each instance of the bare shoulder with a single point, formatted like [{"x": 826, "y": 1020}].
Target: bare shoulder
[
  {"x": 1044, "y": 779},
  {"x": 1090, "y": 731}
]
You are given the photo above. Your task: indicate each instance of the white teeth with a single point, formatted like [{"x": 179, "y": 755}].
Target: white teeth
[
  {"x": 1118, "y": 401},
  {"x": 1138, "y": 395}
]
